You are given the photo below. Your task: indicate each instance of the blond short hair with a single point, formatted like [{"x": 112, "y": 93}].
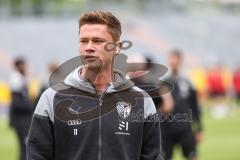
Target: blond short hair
[{"x": 101, "y": 17}]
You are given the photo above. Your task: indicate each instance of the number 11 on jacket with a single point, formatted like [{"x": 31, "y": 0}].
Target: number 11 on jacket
[{"x": 75, "y": 131}]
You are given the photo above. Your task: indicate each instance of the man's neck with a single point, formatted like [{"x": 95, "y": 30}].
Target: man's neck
[{"x": 100, "y": 78}]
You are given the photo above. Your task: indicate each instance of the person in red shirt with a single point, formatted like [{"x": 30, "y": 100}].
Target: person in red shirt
[
  {"x": 216, "y": 87},
  {"x": 236, "y": 84}
]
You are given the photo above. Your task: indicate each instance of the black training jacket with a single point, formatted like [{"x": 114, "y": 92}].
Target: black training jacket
[{"x": 73, "y": 122}]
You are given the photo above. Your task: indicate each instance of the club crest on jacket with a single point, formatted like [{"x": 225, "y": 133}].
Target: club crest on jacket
[{"x": 123, "y": 109}]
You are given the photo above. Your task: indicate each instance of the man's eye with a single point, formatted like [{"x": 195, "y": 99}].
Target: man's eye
[
  {"x": 98, "y": 41},
  {"x": 83, "y": 41}
]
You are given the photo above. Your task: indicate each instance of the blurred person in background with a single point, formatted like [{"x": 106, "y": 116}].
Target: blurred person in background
[
  {"x": 52, "y": 66},
  {"x": 236, "y": 85},
  {"x": 148, "y": 84},
  {"x": 219, "y": 81},
  {"x": 216, "y": 86},
  {"x": 179, "y": 128},
  {"x": 21, "y": 108}
]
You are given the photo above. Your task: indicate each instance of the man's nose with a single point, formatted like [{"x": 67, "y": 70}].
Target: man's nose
[{"x": 90, "y": 47}]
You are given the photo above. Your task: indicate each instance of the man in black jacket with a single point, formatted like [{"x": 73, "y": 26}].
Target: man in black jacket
[
  {"x": 183, "y": 125},
  {"x": 21, "y": 108},
  {"x": 97, "y": 113}
]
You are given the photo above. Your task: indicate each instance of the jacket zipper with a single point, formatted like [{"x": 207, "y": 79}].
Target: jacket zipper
[
  {"x": 100, "y": 125},
  {"x": 100, "y": 102}
]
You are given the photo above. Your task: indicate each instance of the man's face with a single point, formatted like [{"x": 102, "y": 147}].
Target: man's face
[
  {"x": 22, "y": 68},
  {"x": 93, "y": 38},
  {"x": 175, "y": 63}
]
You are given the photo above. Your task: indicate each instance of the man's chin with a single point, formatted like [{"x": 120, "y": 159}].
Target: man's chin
[
  {"x": 93, "y": 66},
  {"x": 92, "y": 63}
]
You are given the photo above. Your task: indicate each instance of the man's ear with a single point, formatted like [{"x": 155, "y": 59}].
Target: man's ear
[
  {"x": 118, "y": 48},
  {"x": 116, "y": 51}
]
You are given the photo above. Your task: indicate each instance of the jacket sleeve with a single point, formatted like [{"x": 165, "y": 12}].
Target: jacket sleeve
[
  {"x": 40, "y": 142},
  {"x": 151, "y": 145}
]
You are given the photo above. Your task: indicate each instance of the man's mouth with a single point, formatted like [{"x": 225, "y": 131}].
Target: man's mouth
[{"x": 89, "y": 58}]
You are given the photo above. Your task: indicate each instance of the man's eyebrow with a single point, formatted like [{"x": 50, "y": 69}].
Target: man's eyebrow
[
  {"x": 92, "y": 38},
  {"x": 98, "y": 38}
]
